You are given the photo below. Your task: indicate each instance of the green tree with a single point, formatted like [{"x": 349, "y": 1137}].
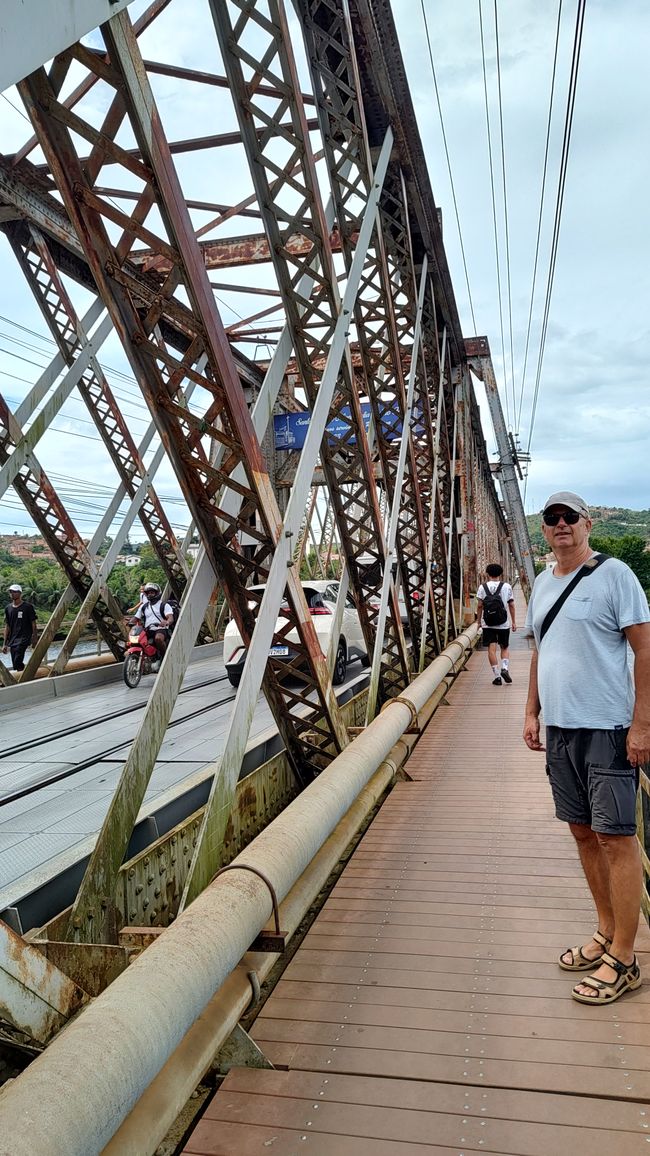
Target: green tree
[
  {"x": 630, "y": 549},
  {"x": 105, "y": 546}
]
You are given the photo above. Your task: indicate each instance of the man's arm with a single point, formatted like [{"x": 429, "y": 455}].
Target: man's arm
[
  {"x": 479, "y": 611},
  {"x": 638, "y": 739},
  {"x": 533, "y": 709},
  {"x": 34, "y": 628},
  {"x": 511, "y": 608}
]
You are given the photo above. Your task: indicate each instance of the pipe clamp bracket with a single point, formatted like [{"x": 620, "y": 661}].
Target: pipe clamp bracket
[
  {"x": 413, "y": 727},
  {"x": 272, "y": 940}
]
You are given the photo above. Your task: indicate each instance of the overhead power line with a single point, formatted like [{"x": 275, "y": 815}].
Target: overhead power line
[
  {"x": 451, "y": 178},
  {"x": 541, "y": 212},
  {"x": 494, "y": 207},
  {"x": 566, "y": 144},
  {"x": 505, "y": 213}
]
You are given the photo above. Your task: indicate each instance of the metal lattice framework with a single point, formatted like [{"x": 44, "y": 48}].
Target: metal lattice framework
[{"x": 357, "y": 307}]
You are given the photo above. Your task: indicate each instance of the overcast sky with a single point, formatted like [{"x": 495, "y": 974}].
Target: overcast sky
[
  {"x": 593, "y": 417},
  {"x": 592, "y": 428}
]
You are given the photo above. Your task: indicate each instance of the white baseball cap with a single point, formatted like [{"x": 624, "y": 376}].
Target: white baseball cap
[
  {"x": 16, "y": 587},
  {"x": 571, "y": 501}
]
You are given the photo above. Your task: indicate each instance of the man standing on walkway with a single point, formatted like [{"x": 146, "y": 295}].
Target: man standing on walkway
[
  {"x": 20, "y": 627},
  {"x": 583, "y": 614},
  {"x": 495, "y": 600}
]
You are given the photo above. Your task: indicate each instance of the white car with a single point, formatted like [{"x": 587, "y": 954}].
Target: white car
[
  {"x": 401, "y": 605},
  {"x": 321, "y": 599}
]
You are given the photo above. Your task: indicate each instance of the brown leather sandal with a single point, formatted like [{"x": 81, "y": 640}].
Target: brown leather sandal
[
  {"x": 628, "y": 978},
  {"x": 579, "y": 962}
]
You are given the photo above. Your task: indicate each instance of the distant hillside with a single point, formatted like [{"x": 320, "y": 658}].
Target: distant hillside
[{"x": 610, "y": 522}]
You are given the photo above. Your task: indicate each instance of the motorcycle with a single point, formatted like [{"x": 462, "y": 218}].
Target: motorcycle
[{"x": 141, "y": 656}]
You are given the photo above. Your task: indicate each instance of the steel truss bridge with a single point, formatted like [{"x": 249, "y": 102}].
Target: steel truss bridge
[{"x": 120, "y": 226}]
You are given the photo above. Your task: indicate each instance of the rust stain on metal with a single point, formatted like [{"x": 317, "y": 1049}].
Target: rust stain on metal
[
  {"x": 139, "y": 937},
  {"x": 35, "y": 995},
  {"x": 476, "y": 347},
  {"x": 231, "y": 252},
  {"x": 92, "y": 966},
  {"x": 247, "y": 802}
]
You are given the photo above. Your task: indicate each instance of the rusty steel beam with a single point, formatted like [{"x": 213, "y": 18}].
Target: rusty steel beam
[
  {"x": 45, "y": 282},
  {"x": 345, "y": 458},
  {"x": 209, "y": 78},
  {"x": 158, "y": 265},
  {"x": 21, "y": 188},
  {"x": 102, "y": 871},
  {"x": 387, "y": 97},
  {"x": 50, "y": 516},
  {"x": 122, "y": 155},
  {"x": 233, "y": 252},
  {"x": 88, "y": 82},
  {"x": 480, "y": 361},
  {"x": 415, "y": 513},
  {"x": 160, "y": 373},
  {"x": 221, "y": 794},
  {"x": 383, "y": 349},
  {"x": 35, "y": 996}
]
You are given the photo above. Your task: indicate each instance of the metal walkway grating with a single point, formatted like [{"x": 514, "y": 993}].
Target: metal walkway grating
[{"x": 425, "y": 1012}]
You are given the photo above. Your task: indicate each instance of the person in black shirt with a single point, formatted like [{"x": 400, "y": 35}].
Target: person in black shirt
[{"x": 20, "y": 627}]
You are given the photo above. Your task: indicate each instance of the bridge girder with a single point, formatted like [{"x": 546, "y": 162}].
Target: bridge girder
[{"x": 133, "y": 240}]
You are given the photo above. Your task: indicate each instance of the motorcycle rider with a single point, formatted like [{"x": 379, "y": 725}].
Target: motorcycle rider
[{"x": 156, "y": 618}]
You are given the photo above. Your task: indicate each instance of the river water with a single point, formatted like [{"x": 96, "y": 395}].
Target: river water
[{"x": 85, "y": 646}]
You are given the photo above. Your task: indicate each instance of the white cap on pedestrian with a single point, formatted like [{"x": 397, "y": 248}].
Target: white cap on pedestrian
[
  {"x": 571, "y": 501},
  {"x": 15, "y": 587}
]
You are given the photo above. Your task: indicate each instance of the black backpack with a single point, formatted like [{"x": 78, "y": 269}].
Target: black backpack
[{"x": 494, "y": 612}]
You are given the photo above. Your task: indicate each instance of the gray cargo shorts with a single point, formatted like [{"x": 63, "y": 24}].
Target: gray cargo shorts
[{"x": 591, "y": 779}]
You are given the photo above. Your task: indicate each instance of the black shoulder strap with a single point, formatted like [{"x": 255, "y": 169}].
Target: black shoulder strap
[
  {"x": 583, "y": 572},
  {"x": 490, "y": 593}
]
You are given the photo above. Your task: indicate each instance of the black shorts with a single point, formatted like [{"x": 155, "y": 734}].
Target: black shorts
[
  {"x": 591, "y": 779},
  {"x": 496, "y": 634},
  {"x": 154, "y": 630}
]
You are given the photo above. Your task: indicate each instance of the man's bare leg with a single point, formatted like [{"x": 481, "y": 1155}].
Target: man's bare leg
[
  {"x": 595, "y": 865},
  {"x": 160, "y": 642},
  {"x": 621, "y": 855},
  {"x": 492, "y": 659}
]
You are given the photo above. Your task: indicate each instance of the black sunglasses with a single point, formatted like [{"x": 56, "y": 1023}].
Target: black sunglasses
[{"x": 570, "y": 518}]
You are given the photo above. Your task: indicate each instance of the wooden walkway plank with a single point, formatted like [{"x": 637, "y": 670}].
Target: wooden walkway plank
[{"x": 425, "y": 1012}]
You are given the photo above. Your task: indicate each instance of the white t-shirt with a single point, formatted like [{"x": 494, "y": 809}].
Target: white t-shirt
[
  {"x": 506, "y": 597},
  {"x": 583, "y": 674},
  {"x": 153, "y": 613}
]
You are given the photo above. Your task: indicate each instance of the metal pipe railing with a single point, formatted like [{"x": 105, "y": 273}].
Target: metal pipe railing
[
  {"x": 74, "y": 1097},
  {"x": 158, "y": 1108}
]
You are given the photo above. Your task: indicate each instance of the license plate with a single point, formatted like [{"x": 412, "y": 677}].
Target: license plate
[{"x": 279, "y": 652}]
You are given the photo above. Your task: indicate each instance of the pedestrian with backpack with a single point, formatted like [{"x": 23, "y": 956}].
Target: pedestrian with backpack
[
  {"x": 584, "y": 614},
  {"x": 495, "y": 602}
]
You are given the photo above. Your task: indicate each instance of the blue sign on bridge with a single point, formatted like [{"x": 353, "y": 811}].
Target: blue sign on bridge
[{"x": 290, "y": 429}]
